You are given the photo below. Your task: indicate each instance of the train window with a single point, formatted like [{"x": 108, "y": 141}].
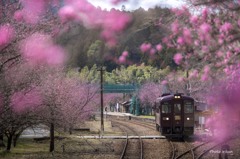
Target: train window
[
  {"x": 188, "y": 107},
  {"x": 166, "y": 107},
  {"x": 177, "y": 108}
]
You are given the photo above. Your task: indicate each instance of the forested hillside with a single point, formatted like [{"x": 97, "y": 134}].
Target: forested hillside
[{"x": 86, "y": 48}]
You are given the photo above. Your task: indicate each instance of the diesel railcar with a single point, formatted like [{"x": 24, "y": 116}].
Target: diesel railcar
[{"x": 175, "y": 115}]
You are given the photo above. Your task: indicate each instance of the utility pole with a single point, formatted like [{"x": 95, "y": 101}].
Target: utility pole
[
  {"x": 187, "y": 84},
  {"x": 101, "y": 87}
]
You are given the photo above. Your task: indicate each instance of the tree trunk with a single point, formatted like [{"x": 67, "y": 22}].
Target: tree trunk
[
  {"x": 51, "y": 137},
  {"x": 70, "y": 130},
  {"x": 9, "y": 142},
  {"x": 16, "y": 137},
  {"x": 1, "y": 140}
]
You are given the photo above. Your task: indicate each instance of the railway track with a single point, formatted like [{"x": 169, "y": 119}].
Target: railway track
[
  {"x": 214, "y": 145},
  {"x": 143, "y": 125},
  {"x": 178, "y": 147},
  {"x": 192, "y": 151},
  {"x": 132, "y": 147}
]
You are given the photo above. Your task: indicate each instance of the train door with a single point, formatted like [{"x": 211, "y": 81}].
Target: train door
[
  {"x": 177, "y": 124},
  {"x": 166, "y": 118}
]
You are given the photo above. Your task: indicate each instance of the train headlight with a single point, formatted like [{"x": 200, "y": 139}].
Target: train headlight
[
  {"x": 177, "y": 97},
  {"x": 165, "y": 118},
  {"x": 188, "y": 118}
]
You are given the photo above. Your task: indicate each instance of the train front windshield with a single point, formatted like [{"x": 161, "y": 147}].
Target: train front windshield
[
  {"x": 188, "y": 106},
  {"x": 177, "y": 108}
]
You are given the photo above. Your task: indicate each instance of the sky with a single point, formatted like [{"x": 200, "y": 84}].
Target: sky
[{"x": 135, "y": 4}]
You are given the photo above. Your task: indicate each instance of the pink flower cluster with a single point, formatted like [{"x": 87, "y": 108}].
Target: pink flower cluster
[
  {"x": 193, "y": 74},
  {"x": 225, "y": 98},
  {"x": 111, "y": 22},
  {"x": 204, "y": 32},
  {"x": 25, "y": 100},
  {"x": 7, "y": 34},
  {"x": 180, "y": 12},
  {"x": 123, "y": 57},
  {"x": 149, "y": 92},
  {"x": 147, "y": 47},
  {"x": 187, "y": 36},
  {"x": 178, "y": 58},
  {"x": 226, "y": 28},
  {"x": 175, "y": 27},
  {"x": 194, "y": 20},
  {"x": 32, "y": 10},
  {"x": 159, "y": 47},
  {"x": 206, "y": 72},
  {"x": 40, "y": 49}
]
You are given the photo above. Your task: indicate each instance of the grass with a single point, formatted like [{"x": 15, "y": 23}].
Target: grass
[
  {"x": 147, "y": 116},
  {"x": 25, "y": 147},
  {"x": 30, "y": 149}
]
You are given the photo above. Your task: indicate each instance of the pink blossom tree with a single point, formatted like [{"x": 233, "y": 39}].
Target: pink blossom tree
[
  {"x": 207, "y": 38},
  {"x": 149, "y": 92},
  {"x": 20, "y": 100},
  {"x": 65, "y": 101},
  {"x": 29, "y": 26}
]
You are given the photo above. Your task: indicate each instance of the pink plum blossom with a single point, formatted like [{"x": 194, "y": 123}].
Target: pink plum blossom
[
  {"x": 111, "y": 23},
  {"x": 206, "y": 69},
  {"x": 175, "y": 27},
  {"x": 187, "y": 36},
  {"x": 204, "y": 32},
  {"x": 159, "y": 47},
  {"x": 228, "y": 54},
  {"x": 24, "y": 100},
  {"x": 194, "y": 20},
  {"x": 39, "y": 48},
  {"x": 205, "y": 13},
  {"x": 125, "y": 53},
  {"x": 178, "y": 58},
  {"x": 226, "y": 27},
  {"x": 205, "y": 48},
  {"x": 67, "y": 13},
  {"x": 18, "y": 16},
  {"x": 204, "y": 77},
  {"x": 196, "y": 43},
  {"x": 145, "y": 47},
  {"x": 152, "y": 51},
  {"x": 220, "y": 40},
  {"x": 122, "y": 59},
  {"x": 219, "y": 54},
  {"x": 181, "y": 11},
  {"x": 7, "y": 34},
  {"x": 205, "y": 28},
  {"x": 193, "y": 74},
  {"x": 180, "y": 79},
  {"x": 32, "y": 10},
  {"x": 92, "y": 17},
  {"x": 149, "y": 92},
  {"x": 164, "y": 82},
  {"x": 225, "y": 97},
  {"x": 180, "y": 40},
  {"x": 206, "y": 72}
]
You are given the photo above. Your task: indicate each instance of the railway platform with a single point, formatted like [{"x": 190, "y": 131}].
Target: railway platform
[{"x": 122, "y": 137}]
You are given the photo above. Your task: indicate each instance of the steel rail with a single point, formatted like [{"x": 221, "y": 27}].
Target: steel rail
[
  {"x": 173, "y": 150},
  {"x": 125, "y": 148}
]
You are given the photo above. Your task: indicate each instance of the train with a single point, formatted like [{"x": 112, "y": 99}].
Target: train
[{"x": 174, "y": 115}]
